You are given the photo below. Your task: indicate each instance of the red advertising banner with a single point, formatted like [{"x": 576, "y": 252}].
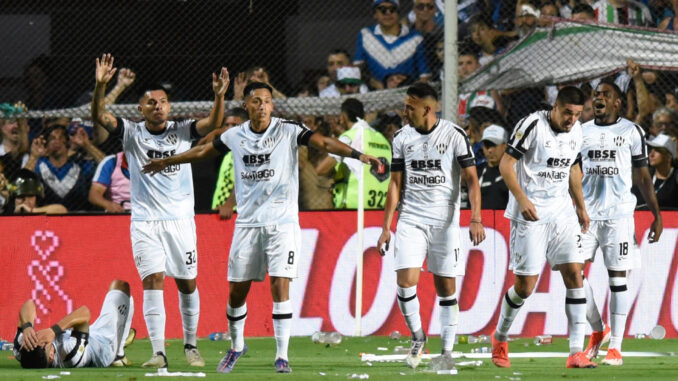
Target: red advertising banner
[{"x": 65, "y": 262}]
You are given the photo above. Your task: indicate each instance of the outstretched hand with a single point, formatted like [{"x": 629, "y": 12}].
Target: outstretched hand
[
  {"x": 220, "y": 85},
  {"x": 375, "y": 163},
  {"x": 105, "y": 69},
  {"x": 126, "y": 77},
  {"x": 154, "y": 166}
]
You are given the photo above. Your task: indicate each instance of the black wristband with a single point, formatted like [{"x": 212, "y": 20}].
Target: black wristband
[
  {"x": 26, "y": 325},
  {"x": 355, "y": 154},
  {"x": 57, "y": 330}
]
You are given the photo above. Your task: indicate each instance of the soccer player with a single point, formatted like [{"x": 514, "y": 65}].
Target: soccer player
[
  {"x": 267, "y": 233},
  {"x": 539, "y": 169},
  {"x": 72, "y": 342},
  {"x": 162, "y": 229},
  {"x": 430, "y": 155},
  {"x": 614, "y": 158}
]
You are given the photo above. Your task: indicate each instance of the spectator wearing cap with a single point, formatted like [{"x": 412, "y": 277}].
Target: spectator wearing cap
[
  {"x": 349, "y": 81},
  {"x": 527, "y": 16},
  {"x": 28, "y": 195},
  {"x": 66, "y": 179},
  {"x": 13, "y": 138},
  {"x": 337, "y": 59},
  {"x": 493, "y": 189},
  {"x": 663, "y": 169},
  {"x": 390, "y": 47}
]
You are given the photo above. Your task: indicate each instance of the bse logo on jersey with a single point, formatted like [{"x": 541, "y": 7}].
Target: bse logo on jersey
[
  {"x": 555, "y": 162},
  {"x": 153, "y": 154},
  {"x": 256, "y": 160},
  {"x": 602, "y": 155},
  {"x": 426, "y": 165}
]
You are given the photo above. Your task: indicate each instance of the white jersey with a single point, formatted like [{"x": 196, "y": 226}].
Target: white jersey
[
  {"x": 167, "y": 195},
  {"x": 266, "y": 168},
  {"x": 543, "y": 168},
  {"x": 609, "y": 154},
  {"x": 71, "y": 349},
  {"x": 432, "y": 164}
]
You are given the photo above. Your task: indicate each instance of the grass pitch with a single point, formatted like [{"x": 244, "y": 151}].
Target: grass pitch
[{"x": 309, "y": 360}]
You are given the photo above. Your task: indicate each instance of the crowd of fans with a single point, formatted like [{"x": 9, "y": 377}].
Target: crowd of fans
[{"x": 55, "y": 165}]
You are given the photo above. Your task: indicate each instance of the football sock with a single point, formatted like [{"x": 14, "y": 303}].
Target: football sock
[
  {"x": 154, "y": 314},
  {"x": 619, "y": 309},
  {"x": 449, "y": 313},
  {"x": 282, "y": 322},
  {"x": 189, "y": 305},
  {"x": 409, "y": 306},
  {"x": 509, "y": 309},
  {"x": 236, "y": 326},
  {"x": 126, "y": 328},
  {"x": 575, "y": 309},
  {"x": 592, "y": 313}
]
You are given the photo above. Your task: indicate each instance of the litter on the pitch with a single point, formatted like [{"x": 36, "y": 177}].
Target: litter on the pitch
[
  {"x": 51, "y": 377},
  {"x": 386, "y": 358},
  {"x": 163, "y": 372},
  {"x": 362, "y": 376}
]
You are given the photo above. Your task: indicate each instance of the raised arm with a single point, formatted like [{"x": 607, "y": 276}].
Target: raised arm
[
  {"x": 577, "y": 195},
  {"x": 642, "y": 180},
  {"x": 197, "y": 153},
  {"x": 26, "y": 321},
  {"x": 103, "y": 75},
  {"x": 476, "y": 230},
  {"x": 219, "y": 85}
]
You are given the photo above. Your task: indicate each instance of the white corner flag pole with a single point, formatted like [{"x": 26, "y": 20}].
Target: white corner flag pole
[
  {"x": 361, "y": 249},
  {"x": 450, "y": 78}
]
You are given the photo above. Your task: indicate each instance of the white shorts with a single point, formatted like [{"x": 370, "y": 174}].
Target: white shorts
[
  {"x": 531, "y": 244},
  {"x": 616, "y": 239},
  {"x": 167, "y": 246},
  {"x": 439, "y": 246},
  {"x": 105, "y": 334},
  {"x": 256, "y": 249}
]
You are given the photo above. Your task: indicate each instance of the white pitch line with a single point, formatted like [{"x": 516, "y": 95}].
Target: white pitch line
[{"x": 380, "y": 358}]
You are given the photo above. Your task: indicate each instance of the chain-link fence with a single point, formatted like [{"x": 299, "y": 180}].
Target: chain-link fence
[{"x": 306, "y": 50}]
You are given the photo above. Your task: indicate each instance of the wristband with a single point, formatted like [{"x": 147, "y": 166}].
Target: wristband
[
  {"x": 355, "y": 154},
  {"x": 57, "y": 330},
  {"x": 477, "y": 221},
  {"x": 26, "y": 325}
]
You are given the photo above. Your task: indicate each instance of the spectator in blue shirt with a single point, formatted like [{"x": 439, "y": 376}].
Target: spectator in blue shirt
[{"x": 390, "y": 47}]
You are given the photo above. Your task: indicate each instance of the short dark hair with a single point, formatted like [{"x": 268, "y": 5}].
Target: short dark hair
[
  {"x": 238, "y": 112},
  {"x": 256, "y": 85},
  {"x": 481, "y": 18},
  {"x": 584, "y": 8},
  {"x": 46, "y": 132},
  {"x": 422, "y": 90},
  {"x": 35, "y": 359},
  {"x": 617, "y": 90},
  {"x": 166, "y": 87},
  {"x": 353, "y": 109},
  {"x": 340, "y": 51},
  {"x": 571, "y": 95}
]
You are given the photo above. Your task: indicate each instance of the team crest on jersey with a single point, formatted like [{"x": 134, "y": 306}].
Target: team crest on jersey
[
  {"x": 268, "y": 142},
  {"x": 172, "y": 138},
  {"x": 619, "y": 141},
  {"x": 441, "y": 148},
  {"x": 573, "y": 145},
  {"x": 602, "y": 140}
]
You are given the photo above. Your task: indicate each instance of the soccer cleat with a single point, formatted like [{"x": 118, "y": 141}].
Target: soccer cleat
[
  {"x": 500, "y": 353},
  {"x": 579, "y": 360},
  {"x": 121, "y": 361},
  {"x": 282, "y": 366},
  {"x": 159, "y": 360},
  {"x": 130, "y": 337},
  {"x": 228, "y": 362},
  {"x": 613, "y": 357},
  {"x": 414, "y": 354},
  {"x": 193, "y": 356},
  {"x": 597, "y": 340}
]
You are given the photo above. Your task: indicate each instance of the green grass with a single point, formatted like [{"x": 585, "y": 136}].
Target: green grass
[{"x": 339, "y": 362}]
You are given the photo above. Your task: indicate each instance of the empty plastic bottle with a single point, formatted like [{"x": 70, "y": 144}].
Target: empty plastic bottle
[{"x": 218, "y": 336}]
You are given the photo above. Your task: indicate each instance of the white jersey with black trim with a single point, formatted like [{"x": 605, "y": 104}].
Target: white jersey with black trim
[
  {"x": 609, "y": 154},
  {"x": 167, "y": 195},
  {"x": 266, "y": 168},
  {"x": 543, "y": 167},
  {"x": 432, "y": 164},
  {"x": 71, "y": 349}
]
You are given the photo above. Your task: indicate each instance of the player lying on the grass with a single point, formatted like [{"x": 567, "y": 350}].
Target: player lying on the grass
[
  {"x": 72, "y": 342},
  {"x": 540, "y": 169},
  {"x": 267, "y": 234},
  {"x": 614, "y": 158},
  {"x": 430, "y": 156}
]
